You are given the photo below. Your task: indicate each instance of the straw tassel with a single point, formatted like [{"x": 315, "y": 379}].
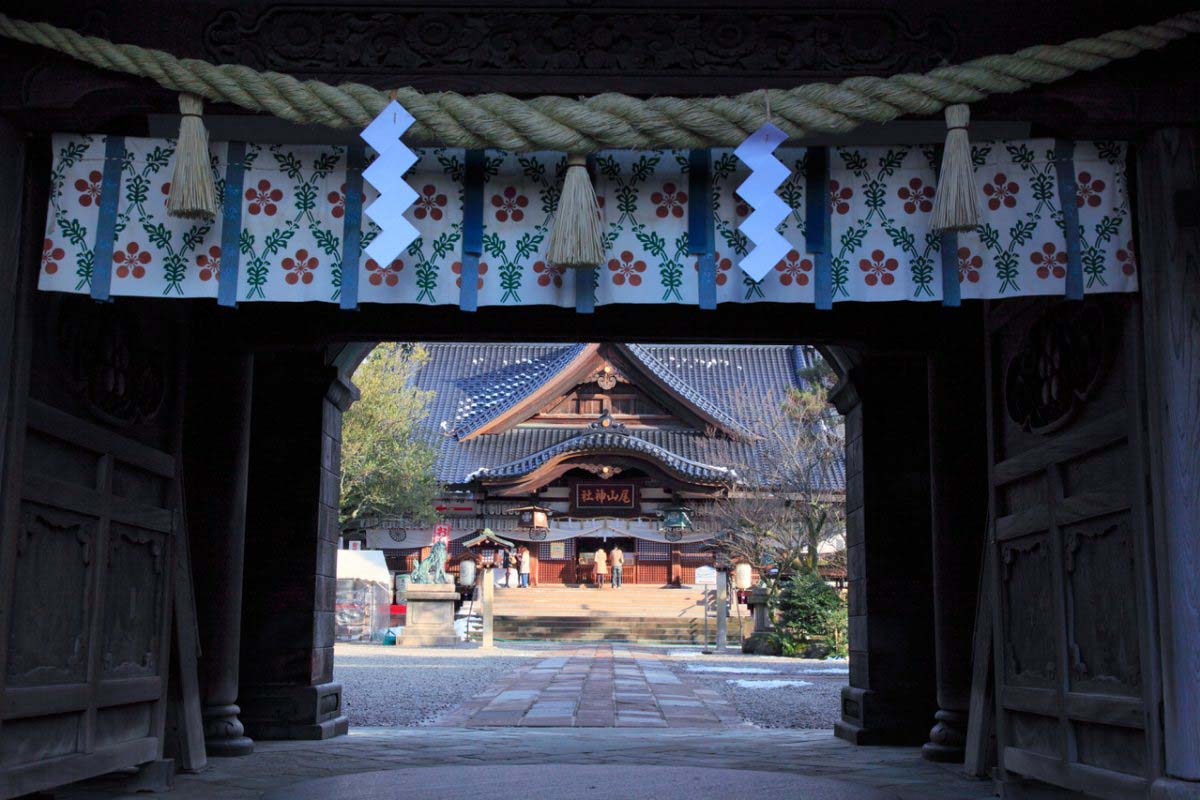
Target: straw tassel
[
  {"x": 956, "y": 205},
  {"x": 577, "y": 239},
  {"x": 193, "y": 193}
]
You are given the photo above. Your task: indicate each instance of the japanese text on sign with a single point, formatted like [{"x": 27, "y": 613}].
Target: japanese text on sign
[{"x": 610, "y": 496}]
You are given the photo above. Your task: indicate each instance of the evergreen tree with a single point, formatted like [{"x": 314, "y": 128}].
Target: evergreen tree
[{"x": 388, "y": 459}]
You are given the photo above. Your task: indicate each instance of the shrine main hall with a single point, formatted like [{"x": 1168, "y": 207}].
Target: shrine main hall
[{"x": 610, "y": 439}]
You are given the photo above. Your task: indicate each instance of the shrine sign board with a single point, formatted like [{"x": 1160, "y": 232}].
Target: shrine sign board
[{"x": 605, "y": 497}]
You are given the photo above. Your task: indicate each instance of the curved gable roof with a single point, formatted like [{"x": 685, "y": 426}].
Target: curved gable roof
[
  {"x": 607, "y": 442},
  {"x": 474, "y": 385},
  {"x": 499, "y": 399}
]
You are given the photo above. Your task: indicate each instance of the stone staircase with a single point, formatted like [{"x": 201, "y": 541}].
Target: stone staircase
[{"x": 628, "y": 614}]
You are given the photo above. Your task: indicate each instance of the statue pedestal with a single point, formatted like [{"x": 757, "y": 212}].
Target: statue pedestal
[{"x": 429, "y": 621}]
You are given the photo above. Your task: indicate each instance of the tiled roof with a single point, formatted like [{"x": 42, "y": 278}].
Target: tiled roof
[
  {"x": 606, "y": 442},
  {"x": 683, "y": 386},
  {"x": 473, "y": 383},
  {"x": 488, "y": 394}
]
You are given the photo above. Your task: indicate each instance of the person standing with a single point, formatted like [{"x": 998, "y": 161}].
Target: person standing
[
  {"x": 501, "y": 576},
  {"x": 601, "y": 562},
  {"x": 510, "y": 561},
  {"x": 524, "y": 560},
  {"x": 618, "y": 564}
]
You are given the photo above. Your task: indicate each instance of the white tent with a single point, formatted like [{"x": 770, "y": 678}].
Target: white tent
[
  {"x": 365, "y": 565},
  {"x": 364, "y": 595}
]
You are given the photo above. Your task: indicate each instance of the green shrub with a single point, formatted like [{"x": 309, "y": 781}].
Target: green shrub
[
  {"x": 811, "y": 618},
  {"x": 841, "y": 631}
]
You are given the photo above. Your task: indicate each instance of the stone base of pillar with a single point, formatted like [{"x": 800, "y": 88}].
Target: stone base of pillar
[
  {"x": 294, "y": 712},
  {"x": 947, "y": 739},
  {"x": 1018, "y": 788},
  {"x": 224, "y": 734},
  {"x": 869, "y": 718},
  {"x": 429, "y": 621},
  {"x": 1174, "y": 789}
]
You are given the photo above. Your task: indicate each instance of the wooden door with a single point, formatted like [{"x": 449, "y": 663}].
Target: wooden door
[
  {"x": 86, "y": 550},
  {"x": 558, "y": 570},
  {"x": 1077, "y": 696}
]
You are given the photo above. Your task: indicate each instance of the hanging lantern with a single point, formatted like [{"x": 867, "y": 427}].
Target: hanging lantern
[
  {"x": 533, "y": 519},
  {"x": 676, "y": 518},
  {"x": 743, "y": 576}
]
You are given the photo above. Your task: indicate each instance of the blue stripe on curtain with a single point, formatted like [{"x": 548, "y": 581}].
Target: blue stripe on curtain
[
  {"x": 106, "y": 224},
  {"x": 472, "y": 244},
  {"x": 947, "y": 248},
  {"x": 951, "y": 287},
  {"x": 356, "y": 157},
  {"x": 585, "y": 290},
  {"x": 231, "y": 224},
  {"x": 1064, "y": 165},
  {"x": 817, "y": 232},
  {"x": 700, "y": 226}
]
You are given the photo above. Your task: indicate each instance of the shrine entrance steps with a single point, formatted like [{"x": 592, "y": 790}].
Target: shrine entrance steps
[
  {"x": 588, "y": 614},
  {"x": 612, "y": 629}
]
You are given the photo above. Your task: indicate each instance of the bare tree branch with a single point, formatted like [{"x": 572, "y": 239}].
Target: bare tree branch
[{"x": 787, "y": 499}]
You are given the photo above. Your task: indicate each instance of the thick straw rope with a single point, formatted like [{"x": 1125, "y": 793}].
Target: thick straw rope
[{"x": 610, "y": 120}]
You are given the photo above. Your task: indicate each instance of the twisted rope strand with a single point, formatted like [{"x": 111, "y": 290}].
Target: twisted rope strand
[{"x": 610, "y": 120}]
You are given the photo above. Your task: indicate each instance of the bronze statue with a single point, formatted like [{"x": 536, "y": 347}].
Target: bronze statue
[{"x": 433, "y": 568}]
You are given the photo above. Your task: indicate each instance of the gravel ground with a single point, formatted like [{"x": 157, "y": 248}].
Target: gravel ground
[
  {"x": 769, "y": 692},
  {"x": 396, "y": 687}
]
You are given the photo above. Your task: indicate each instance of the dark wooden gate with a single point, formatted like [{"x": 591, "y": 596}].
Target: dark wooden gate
[
  {"x": 87, "y": 551},
  {"x": 1077, "y": 687}
]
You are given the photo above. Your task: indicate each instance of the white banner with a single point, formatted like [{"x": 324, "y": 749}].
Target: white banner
[{"x": 293, "y": 209}]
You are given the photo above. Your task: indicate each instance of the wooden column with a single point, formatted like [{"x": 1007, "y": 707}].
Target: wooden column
[
  {"x": 216, "y": 463},
  {"x": 676, "y": 576},
  {"x": 891, "y": 695},
  {"x": 958, "y": 498},
  {"x": 12, "y": 166},
  {"x": 1169, "y": 252},
  {"x": 291, "y": 554}
]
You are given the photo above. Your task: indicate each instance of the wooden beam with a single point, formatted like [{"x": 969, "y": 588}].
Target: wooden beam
[
  {"x": 185, "y": 694},
  {"x": 1169, "y": 254},
  {"x": 980, "y": 747}
]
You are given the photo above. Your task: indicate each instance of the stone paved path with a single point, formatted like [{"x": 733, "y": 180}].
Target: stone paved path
[
  {"x": 597, "y": 686},
  {"x": 275, "y": 765}
]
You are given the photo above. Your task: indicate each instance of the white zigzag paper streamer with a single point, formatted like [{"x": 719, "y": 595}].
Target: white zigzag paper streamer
[
  {"x": 758, "y": 190},
  {"x": 386, "y": 174}
]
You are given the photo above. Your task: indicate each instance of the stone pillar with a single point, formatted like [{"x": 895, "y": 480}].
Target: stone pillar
[
  {"x": 722, "y": 609},
  {"x": 757, "y": 600},
  {"x": 958, "y": 498},
  {"x": 891, "y": 695},
  {"x": 216, "y": 452},
  {"x": 1169, "y": 256},
  {"x": 291, "y": 553},
  {"x": 756, "y": 642},
  {"x": 487, "y": 594}
]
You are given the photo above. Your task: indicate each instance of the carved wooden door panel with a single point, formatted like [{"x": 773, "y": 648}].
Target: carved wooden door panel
[
  {"x": 1077, "y": 696},
  {"x": 86, "y": 564}
]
